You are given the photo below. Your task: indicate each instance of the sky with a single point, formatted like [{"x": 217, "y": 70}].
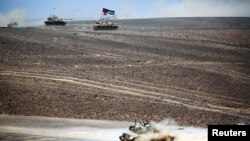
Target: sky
[{"x": 20, "y": 10}]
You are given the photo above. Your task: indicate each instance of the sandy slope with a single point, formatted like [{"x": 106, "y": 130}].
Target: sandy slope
[
  {"x": 35, "y": 128},
  {"x": 196, "y": 75}
]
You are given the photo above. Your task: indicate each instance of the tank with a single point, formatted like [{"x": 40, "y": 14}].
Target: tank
[
  {"x": 54, "y": 20},
  {"x": 12, "y": 24},
  {"x": 104, "y": 25},
  {"x": 138, "y": 130},
  {"x": 105, "y": 22}
]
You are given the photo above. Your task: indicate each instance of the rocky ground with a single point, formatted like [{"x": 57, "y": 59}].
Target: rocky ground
[{"x": 195, "y": 75}]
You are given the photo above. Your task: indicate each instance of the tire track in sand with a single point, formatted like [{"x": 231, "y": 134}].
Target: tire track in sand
[
  {"x": 170, "y": 93},
  {"x": 243, "y": 113},
  {"x": 180, "y": 92}
]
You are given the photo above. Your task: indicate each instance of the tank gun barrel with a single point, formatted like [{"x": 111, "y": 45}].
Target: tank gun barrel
[{"x": 67, "y": 19}]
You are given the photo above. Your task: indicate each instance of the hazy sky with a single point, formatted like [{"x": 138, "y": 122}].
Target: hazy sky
[{"x": 91, "y": 9}]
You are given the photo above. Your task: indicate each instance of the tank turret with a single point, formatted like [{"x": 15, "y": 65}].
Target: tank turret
[
  {"x": 54, "y": 20},
  {"x": 104, "y": 25}
]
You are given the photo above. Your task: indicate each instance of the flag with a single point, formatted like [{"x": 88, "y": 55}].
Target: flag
[{"x": 107, "y": 11}]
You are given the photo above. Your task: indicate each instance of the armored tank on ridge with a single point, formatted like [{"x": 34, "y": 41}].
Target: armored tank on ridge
[
  {"x": 105, "y": 23},
  {"x": 54, "y": 21},
  {"x": 12, "y": 24}
]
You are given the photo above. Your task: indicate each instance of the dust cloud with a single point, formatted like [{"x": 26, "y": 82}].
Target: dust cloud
[{"x": 14, "y": 15}]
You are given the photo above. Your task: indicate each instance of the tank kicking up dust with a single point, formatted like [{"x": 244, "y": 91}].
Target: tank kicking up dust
[
  {"x": 54, "y": 20},
  {"x": 12, "y": 24},
  {"x": 145, "y": 131},
  {"x": 105, "y": 23}
]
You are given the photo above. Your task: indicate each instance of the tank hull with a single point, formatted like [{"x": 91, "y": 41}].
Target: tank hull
[
  {"x": 105, "y": 27},
  {"x": 58, "y": 23}
]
